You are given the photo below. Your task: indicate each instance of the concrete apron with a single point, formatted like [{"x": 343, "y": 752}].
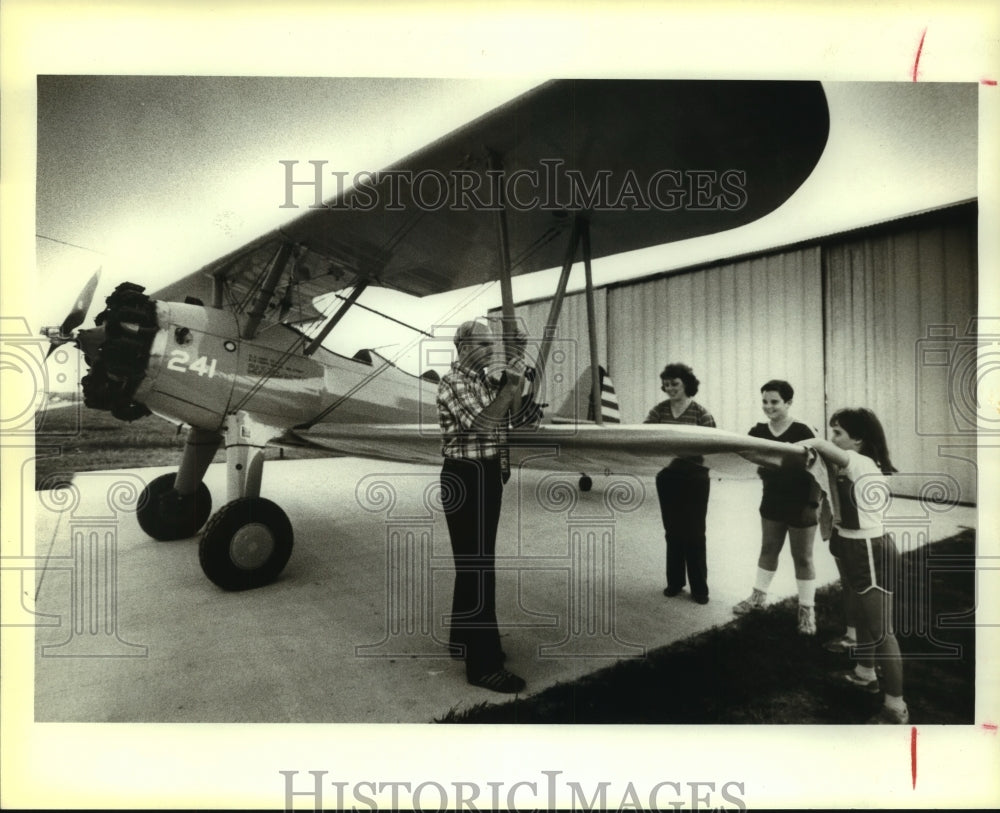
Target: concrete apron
[{"x": 130, "y": 630}]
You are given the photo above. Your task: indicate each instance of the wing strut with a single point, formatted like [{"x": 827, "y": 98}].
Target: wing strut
[
  {"x": 548, "y": 332},
  {"x": 346, "y": 306},
  {"x": 506, "y": 290},
  {"x": 595, "y": 369},
  {"x": 579, "y": 234},
  {"x": 267, "y": 290},
  {"x": 218, "y": 289}
]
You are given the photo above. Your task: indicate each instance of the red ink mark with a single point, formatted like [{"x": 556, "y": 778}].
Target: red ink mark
[
  {"x": 993, "y": 83},
  {"x": 920, "y": 48},
  {"x": 913, "y": 755},
  {"x": 990, "y": 726}
]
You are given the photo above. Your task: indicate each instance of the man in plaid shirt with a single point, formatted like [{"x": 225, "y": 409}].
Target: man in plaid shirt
[{"x": 474, "y": 413}]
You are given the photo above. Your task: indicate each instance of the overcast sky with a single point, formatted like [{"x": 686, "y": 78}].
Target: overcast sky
[{"x": 151, "y": 177}]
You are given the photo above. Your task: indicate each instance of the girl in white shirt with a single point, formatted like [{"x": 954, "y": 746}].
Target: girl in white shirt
[{"x": 866, "y": 556}]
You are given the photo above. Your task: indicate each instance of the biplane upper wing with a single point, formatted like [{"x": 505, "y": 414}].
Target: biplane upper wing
[{"x": 647, "y": 161}]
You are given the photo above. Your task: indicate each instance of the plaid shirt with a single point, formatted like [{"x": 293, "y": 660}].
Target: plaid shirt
[{"x": 462, "y": 394}]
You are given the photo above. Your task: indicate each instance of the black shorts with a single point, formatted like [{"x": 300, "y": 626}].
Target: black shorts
[
  {"x": 792, "y": 501},
  {"x": 867, "y": 563},
  {"x": 794, "y": 515}
]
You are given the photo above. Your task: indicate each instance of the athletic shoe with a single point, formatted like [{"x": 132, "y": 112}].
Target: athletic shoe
[
  {"x": 841, "y": 645},
  {"x": 756, "y": 601},
  {"x": 500, "y": 681},
  {"x": 807, "y": 620},
  {"x": 888, "y": 716},
  {"x": 849, "y": 677}
]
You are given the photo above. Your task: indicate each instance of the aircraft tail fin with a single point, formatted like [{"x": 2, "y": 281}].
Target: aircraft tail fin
[{"x": 578, "y": 406}]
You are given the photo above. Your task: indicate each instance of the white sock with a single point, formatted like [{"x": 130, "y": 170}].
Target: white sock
[
  {"x": 865, "y": 672},
  {"x": 851, "y": 633},
  {"x": 807, "y": 592},
  {"x": 895, "y": 703},
  {"x": 763, "y": 579}
]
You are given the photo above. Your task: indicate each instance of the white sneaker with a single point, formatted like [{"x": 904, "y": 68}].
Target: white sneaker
[
  {"x": 840, "y": 645},
  {"x": 888, "y": 716},
  {"x": 807, "y": 620},
  {"x": 848, "y": 677},
  {"x": 757, "y": 601}
]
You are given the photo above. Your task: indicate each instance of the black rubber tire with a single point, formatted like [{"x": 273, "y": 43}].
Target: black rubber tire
[
  {"x": 166, "y": 516},
  {"x": 251, "y": 527}
]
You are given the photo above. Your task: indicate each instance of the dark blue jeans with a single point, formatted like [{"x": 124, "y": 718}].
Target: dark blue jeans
[
  {"x": 683, "y": 497},
  {"x": 471, "y": 494}
]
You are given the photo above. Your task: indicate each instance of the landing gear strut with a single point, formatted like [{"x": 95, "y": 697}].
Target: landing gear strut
[
  {"x": 175, "y": 506},
  {"x": 249, "y": 540}
]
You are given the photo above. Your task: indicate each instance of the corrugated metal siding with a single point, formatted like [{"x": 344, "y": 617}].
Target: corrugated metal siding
[
  {"x": 880, "y": 321},
  {"x": 570, "y": 353},
  {"x": 737, "y": 325},
  {"x": 898, "y": 308}
]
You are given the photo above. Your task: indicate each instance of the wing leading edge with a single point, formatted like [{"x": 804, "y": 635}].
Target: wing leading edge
[
  {"x": 633, "y": 449},
  {"x": 638, "y": 450}
]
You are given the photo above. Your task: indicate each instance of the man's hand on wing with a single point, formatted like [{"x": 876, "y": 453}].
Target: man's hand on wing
[{"x": 516, "y": 371}]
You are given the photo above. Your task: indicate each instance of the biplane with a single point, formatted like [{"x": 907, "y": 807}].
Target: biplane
[{"x": 572, "y": 169}]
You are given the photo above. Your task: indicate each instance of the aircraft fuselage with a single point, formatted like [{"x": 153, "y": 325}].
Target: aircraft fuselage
[{"x": 188, "y": 363}]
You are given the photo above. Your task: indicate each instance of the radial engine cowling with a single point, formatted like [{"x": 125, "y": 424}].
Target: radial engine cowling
[{"x": 117, "y": 352}]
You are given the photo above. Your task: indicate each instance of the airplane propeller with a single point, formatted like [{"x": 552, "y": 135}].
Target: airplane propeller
[{"x": 63, "y": 334}]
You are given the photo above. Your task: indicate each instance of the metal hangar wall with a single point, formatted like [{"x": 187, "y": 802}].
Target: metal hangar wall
[{"x": 883, "y": 317}]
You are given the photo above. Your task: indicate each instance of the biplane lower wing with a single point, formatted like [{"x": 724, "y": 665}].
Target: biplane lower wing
[{"x": 641, "y": 449}]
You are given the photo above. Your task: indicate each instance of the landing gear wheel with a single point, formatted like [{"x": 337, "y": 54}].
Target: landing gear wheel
[
  {"x": 246, "y": 544},
  {"x": 585, "y": 483},
  {"x": 165, "y": 515}
]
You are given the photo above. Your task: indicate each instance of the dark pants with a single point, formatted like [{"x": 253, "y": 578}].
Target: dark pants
[
  {"x": 683, "y": 497},
  {"x": 471, "y": 494}
]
